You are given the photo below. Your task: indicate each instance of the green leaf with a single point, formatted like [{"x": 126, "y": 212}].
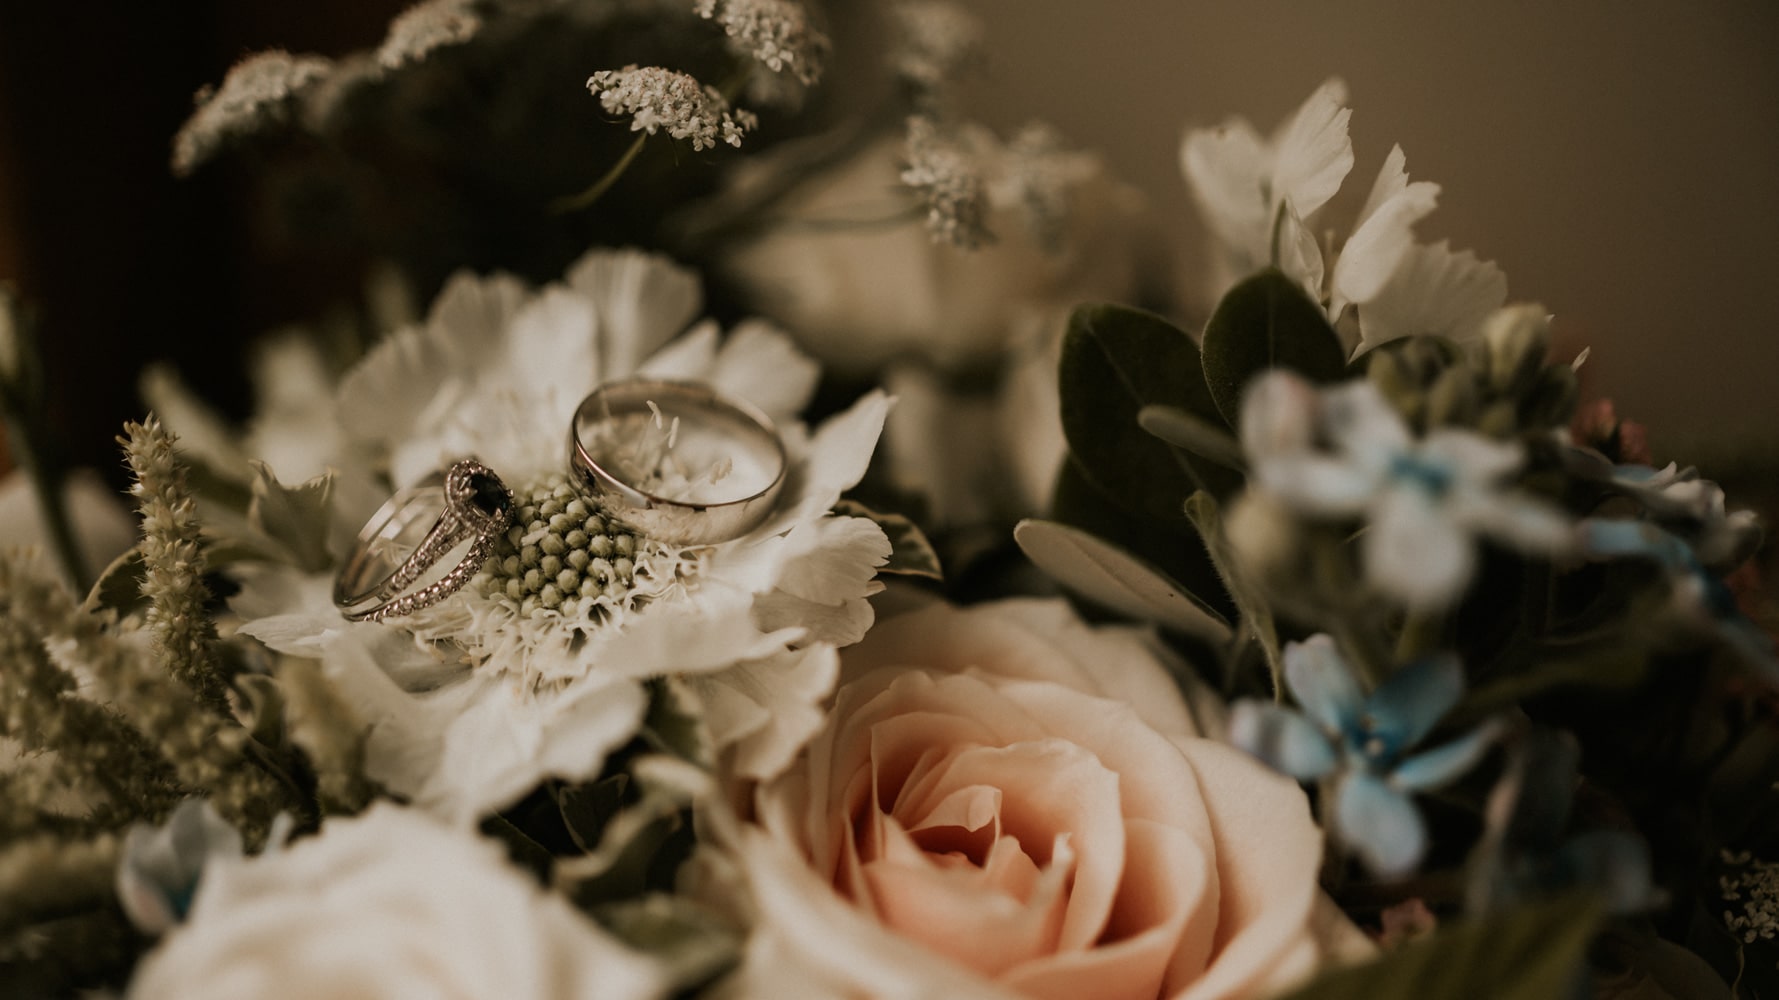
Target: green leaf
[
  {"x": 1115, "y": 361},
  {"x": 295, "y": 517},
  {"x": 1267, "y": 322},
  {"x": 692, "y": 943},
  {"x": 911, "y": 554},
  {"x": 587, "y": 808},
  {"x": 1170, "y": 545},
  {"x": 1108, "y": 575},
  {"x": 119, "y": 587},
  {"x": 1530, "y": 953},
  {"x": 1198, "y": 436}
]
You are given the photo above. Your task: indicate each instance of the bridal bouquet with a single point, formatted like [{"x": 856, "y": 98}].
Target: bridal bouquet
[{"x": 759, "y": 537}]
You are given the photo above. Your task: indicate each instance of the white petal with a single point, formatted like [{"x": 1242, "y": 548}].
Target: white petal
[
  {"x": 1523, "y": 522},
  {"x": 643, "y": 300},
  {"x": 1226, "y": 168},
  {"x": 549, "y": 357},
  {"x": 1364, "y": 425},
  {"x": 1415, "y": 552},
  {"x": 767, "y": 709},
  {"x": 1313, "y": 151},
  {"x": 1278, "y": 415},
  {"x": 1472, "y": 457},
  {"x": 687, "y": 357},
  {"x": 1384, "y": 235},
  {"x": 760, "y": 364},
  {"x": 1318, "y": 484},
  {"x": 1434, "y": 291},
  {"x": 1299, "y": 253},
  {"x": 506, "y": 740}
]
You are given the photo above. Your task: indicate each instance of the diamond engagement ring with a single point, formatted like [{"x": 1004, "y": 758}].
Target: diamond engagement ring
[
  {"x": 677, "y": 461},
  {"x": 465, "y": 503}
]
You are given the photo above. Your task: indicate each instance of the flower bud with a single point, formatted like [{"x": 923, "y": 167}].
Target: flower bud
[{"x": 1517, "y": 339}]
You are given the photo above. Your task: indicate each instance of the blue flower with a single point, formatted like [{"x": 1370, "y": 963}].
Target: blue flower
[
  {"x": 1698, "y": 591},
  {"x": 159, "y": 872},
  {"x": 1363, "y": 742}
]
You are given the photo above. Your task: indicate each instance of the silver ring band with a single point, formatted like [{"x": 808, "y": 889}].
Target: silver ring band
[
  {"x": 466, "y": 502},
  {"x": 677, "y": 461}
]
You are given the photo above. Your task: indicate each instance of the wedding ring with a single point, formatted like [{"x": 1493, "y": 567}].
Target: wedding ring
[
  {"x": 465, "y": 503},
  {"x": 676, "y": 461}
]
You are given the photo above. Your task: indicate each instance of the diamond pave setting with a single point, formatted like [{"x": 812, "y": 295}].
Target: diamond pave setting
[{"x": 477, "y": 505}]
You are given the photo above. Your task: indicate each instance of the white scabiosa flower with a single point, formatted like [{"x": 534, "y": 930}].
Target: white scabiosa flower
[
  {"x": 657, "y": 99},
  {"x": 1343, "y": 453},
  {"x": 535, "y": 669}
]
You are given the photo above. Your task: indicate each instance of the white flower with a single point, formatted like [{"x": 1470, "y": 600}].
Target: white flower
[
  {"x": 657, "y": 99},
  {"x": 1257, "y": 193},
  {"x": 387, "y": 904},
  {"x": 948, "y": 180},
  {"x": 1422, "y": 499},
  {"x": 933, "y": 43},
  {"x": 511, "y": 684},
  {"x": 775, "y": 33},
  {"x": 426, "y": 26},
  {"x": 1260, "y": 198},
  {"x": 257, "y": 90},
  {"x": 850, "y": 268}
]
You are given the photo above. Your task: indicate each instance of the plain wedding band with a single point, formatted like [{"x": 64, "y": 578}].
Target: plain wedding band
[{"x": 692, "y": 417}]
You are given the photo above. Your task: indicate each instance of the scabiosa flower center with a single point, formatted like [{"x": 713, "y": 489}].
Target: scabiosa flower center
[{"x": 562, "y": 554}]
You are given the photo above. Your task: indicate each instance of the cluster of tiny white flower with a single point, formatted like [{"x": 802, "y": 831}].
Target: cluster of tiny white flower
[
  {"x": 1756, "y": 888},
  {"x": 934, "y": 42},
  {"x": 427, "y": 26},
  {"x": 948, "y": 180},
  {"x": 776, "y": 33},
  {"x": 256, "y": 89},
  {"x": 658, "y": 98}
]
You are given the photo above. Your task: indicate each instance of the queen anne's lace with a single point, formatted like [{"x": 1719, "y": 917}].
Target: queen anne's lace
[
  {"x": 949, "y": 181},
  {"x": 425, "y": 27},
  {"x": 775, "y": 33},
  {"x": 659, "y": 99},
  {"x": 257, "y": 91}
]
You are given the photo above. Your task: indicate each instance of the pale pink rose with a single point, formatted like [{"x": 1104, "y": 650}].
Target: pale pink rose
[{"x": 1007, "y": 802}]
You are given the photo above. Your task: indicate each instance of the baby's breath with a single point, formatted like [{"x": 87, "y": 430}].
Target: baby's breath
[{"x": 657, "y": 99}]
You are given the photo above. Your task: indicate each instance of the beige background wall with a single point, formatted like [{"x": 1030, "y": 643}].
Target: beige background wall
[{"x": 1619, "y": 160}]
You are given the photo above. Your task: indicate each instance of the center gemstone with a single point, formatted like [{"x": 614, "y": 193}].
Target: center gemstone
[{"x": 487, "y": 493}]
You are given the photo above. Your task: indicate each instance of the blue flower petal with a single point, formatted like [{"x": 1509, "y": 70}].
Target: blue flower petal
[
  {"x": 1321, "y": 682},
  {"x": 1430, "y": 770},
  {"x": 1411, "y": 702},
  {"x": 1286, "y": 741},
  {"x": 1379, "y": 824},
  {"x": 1603, "y": 538}
]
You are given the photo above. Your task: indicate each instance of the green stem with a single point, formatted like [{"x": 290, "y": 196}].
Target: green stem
[
  {"x": 585, "y": 199},
  {"x": 1421, "y": 634}
]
